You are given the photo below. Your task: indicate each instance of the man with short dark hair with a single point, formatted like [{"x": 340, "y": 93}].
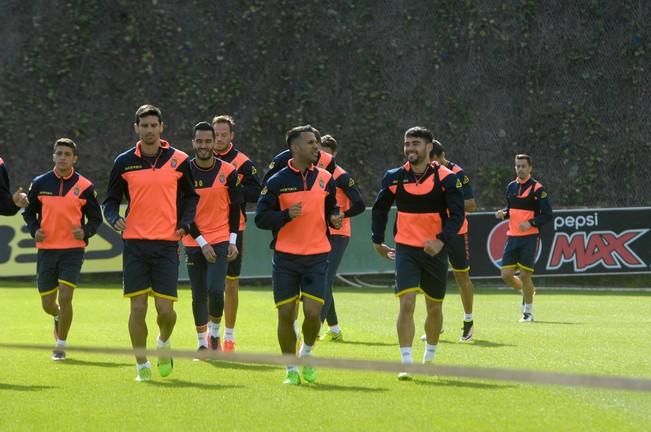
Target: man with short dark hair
[
  {"x": 63, "y": 213},
  {"x": 527, "y": 209},
  {"x": 247, "y": 176},
  {"x": 211, "y": 243},
  {"x": 429, "y": 205},
  {"x": 157, "y": 182},
  {"x": 297, "y": 204}
]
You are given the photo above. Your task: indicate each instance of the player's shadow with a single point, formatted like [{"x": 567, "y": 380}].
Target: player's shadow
[
  {"x": 189, "y": 384},
  {"x": 79, "y": 362},
  {"x": 447, "y": 382},
  {"x": 478, "y": 342},
  {"x": 335, "y": 387},
  {"x": 21, "y": 387},
  {"x": 349, "y": 342},
  {"x": 557, "y": 322},
  {"x": 220, "y": 364}
]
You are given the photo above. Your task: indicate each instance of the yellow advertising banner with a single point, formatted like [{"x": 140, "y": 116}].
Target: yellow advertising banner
[{"x": 18, "y": 250}]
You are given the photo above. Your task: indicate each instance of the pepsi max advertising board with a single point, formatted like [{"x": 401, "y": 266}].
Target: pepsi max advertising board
[{"x": 575, "y": 242}]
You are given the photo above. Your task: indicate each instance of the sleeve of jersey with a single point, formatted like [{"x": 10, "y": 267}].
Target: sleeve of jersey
[
  {"x": 92, "y": 212},
  {"x": 236, "y": 196},
  {"x": 466, "y": 187},
  {"x": 508, "y": 204},
  {"x": 117, "y": 188},
  {"x": 380, "y": 212},
  {"x": 250, "y": 182},
  {"x": 7, "y": 205},
  {"x": 347, "y": 184},
  {"x": 33, "y": 210},
  {"x": 545, "y": 212},
  {"x": 331, "y": 207},
  {"x": 454, "y": 201},
  {"x": 268, "y": 215},
  {"x": 189, "y": 197}
]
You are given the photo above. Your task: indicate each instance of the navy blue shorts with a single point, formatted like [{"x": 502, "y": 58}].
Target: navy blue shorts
[
  {"x": 58, "y": 266},
  {"x": 235, "y": 266},
  {"x": 459, "y": 252},
  {"x": 296, "y": 276},
  {"x": 150, "y": 267},
  {"x": 417, "y": 271},
  {"x": 520, "y": 252}
]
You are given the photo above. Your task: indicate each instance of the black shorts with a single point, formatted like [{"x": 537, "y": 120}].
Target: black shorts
[
  {"x": 205, "y": 277},
  {"x": 294, "y": 276},
  {"x": 150, "y": 267},
  {"x": 417, "y": 271},
  {"x": 459, "y": 252},
  {"x": 520, "y": 252},
  {"x": 235, "y": 266},
  {"x": 58, "y": 266}
]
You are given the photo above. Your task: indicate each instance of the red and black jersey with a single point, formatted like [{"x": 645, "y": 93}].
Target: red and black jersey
[
  {"x": 57, "y": 205},
  {"x": 218, "y": 211},
  {"x": 430, "y": 205},
  {"x": 349, "y": 200},
  {"x": 7, "y": 205},
  {"x": 308, "y": 233},
  {"x": 324, "y": 161},
  {"x": 159, "y": 191},
  {"x": 526, "y": 201},
  {"x": 247, "y": 176}
]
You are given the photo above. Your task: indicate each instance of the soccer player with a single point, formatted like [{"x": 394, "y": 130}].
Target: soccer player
[
  {"x": 157, "y": 182},
  {"x": 297, "y": 204},
  {"x": 457, "y": 245},
  {"x": 224, "y": 127},
  {"x": 350, "y": 202},
  {"x": 430, "y": 211},
  {"x": 325, "y": 161},
  {"x": 211, "y": 243},
  {"x": 527, "y": 209},
  {"x": 10, "y": 204},
  {"x": 63, "y": 213}
]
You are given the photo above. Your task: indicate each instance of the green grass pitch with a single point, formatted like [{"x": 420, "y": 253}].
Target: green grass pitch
[{"x": 576, "y": 332}]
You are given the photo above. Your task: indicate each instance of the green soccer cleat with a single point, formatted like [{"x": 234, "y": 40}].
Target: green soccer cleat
[
  {"x": 309, "y": 374},
  {"x": 144, "y": 374},
  {"x": 165, "y": 361},
  {"x": 332, "y": 336},
  {"x": 292, "y": 378}
]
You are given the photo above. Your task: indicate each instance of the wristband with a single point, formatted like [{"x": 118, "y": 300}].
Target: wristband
[
  {"x": 232, "y": 239},
  {"x": 201, "y": 241}
]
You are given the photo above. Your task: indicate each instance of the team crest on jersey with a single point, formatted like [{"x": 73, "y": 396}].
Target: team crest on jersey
[
  {"x": 174, "y": 163},
  {"x": 222, "y": 178},
  {"x": 76, "y": 191},
  {"x": 351, "y": 182},
  {"x": 321, "y": 184}
]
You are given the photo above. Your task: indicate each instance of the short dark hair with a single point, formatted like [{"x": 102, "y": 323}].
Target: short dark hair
[
  {"x": 223, "y": 118},
  {"x": 294, "y": 133},
  {"x": 329, "y": 141},
  {"x": 420, "y": 132},
  {"x": 66, "y": 142},
  {"x": 524, "y": 156},
  {"x": 203, "y": 126},
  {"x": 147, "y": 110},
  {"x": 437, "y": 149}
]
